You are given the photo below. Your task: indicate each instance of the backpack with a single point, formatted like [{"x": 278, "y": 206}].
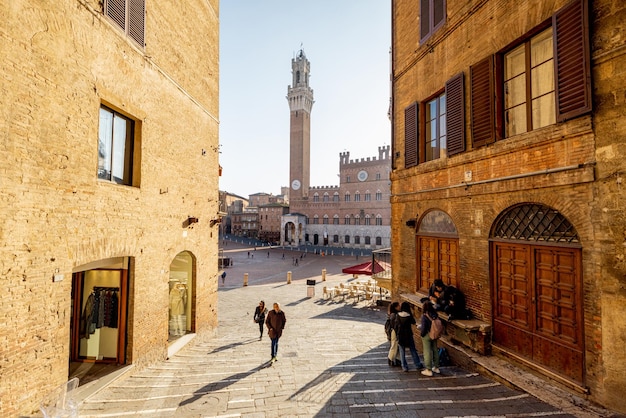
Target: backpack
[
  {"x": 444, "y": 358},
  {"x": 388, "y": 328},
  {"x": 436, "y": 329}
]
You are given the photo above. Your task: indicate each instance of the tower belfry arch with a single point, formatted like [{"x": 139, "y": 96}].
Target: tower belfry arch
[{"x": 300, "y": 98}]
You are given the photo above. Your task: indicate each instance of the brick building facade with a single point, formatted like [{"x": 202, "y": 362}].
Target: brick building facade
[
  {"x": 109, "y": 187},
  {"x": 508, "y": 144},
  {"x": 356, "y": 214}
]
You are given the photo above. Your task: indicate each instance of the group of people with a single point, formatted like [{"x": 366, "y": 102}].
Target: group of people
[
  {"x": 275, "y": 321},
  {"x": 401, "y": 322},
  {"x": 448, "y": 299}
]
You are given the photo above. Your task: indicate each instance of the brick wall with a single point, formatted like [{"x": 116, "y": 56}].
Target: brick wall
[
  {"x": 60, "y": 63},
  {"x": 584, "y": 157}
]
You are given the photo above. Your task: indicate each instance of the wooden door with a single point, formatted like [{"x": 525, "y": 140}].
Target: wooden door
[
  {"x": 537, "y": 305},
  {"x": 438, "y": 258}
]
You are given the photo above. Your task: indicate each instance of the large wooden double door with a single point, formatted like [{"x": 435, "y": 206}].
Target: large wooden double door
[{"x": 537, "y": 291}]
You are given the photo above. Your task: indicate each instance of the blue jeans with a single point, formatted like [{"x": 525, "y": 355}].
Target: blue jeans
[
  {"x": 274, "y": 347},
  {"x": 431, "y": 352},
  {"x": 416, "y": 358}
]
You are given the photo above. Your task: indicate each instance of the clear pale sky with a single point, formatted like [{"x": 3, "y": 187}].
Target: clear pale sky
[{"x": 347, "y": 43}]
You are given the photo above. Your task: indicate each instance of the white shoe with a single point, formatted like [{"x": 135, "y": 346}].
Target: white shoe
[
  {"x": 427, "y": 372},
  {"x": 436, "y": 370}
]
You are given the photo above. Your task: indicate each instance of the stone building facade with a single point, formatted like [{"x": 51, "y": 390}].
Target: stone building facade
[
  {"x": 357, "y": 213},
  {"x": 508, "y": 168},
  {"x": 109, "y": 189}
]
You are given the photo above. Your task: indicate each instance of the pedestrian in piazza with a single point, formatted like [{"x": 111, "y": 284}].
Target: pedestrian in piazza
[
  {"x": 404, "y": 330},
  {"x": 275, "y": 324},
  {"x": 259, "y": 317},
  {"x": 431, "y": 351}
]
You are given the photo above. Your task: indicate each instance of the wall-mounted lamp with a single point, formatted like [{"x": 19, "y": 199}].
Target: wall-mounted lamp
[
  {"x": 189, "y": 222},
  {"x": 411, "y": 223}
]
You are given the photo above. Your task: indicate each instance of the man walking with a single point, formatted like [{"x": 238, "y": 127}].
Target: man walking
[{"x": 275, "y": 323}]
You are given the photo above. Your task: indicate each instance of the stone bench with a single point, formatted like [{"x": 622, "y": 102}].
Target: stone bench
[{"x": 472, "y": 333}]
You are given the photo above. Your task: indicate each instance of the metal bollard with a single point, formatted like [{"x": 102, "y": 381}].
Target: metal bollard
[
  {"x": 245, "y": 279},
  {"x": 323, "y": 275},
  {"x": 288, "y": 277}
]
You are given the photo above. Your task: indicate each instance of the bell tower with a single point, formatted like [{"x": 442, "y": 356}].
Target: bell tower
[{"x": 300, "y": 98}]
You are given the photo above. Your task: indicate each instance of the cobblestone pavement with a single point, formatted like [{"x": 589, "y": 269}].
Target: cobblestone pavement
[{"x": 331, "y": 361}]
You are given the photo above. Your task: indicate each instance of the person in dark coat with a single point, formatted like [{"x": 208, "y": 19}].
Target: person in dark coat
[
  {"x": 259, "y": 317},
  {"x": 436, "y": 294},
  {"x": 454, "y": 303},
  {"x": 404, "y": 330},
  {"x": 275, "y": 324}
]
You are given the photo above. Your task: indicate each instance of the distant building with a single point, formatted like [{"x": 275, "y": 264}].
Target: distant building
[
  {"x": 270, "y": 216},
  {"x": 355, "y": 214}
]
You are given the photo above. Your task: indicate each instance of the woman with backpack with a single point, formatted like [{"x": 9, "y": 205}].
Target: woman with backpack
[
  {"x": 404, "y": 330},
  {"x": 430, "y": 322}
]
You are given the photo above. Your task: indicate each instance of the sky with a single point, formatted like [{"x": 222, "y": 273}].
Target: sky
[{"x": 347, "y": 43}]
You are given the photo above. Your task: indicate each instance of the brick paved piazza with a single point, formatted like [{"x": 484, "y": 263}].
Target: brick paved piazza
[{"x": 331, "y": 360}]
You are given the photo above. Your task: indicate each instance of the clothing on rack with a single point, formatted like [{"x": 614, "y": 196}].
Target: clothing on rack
[{"x": 100, "y": 311}]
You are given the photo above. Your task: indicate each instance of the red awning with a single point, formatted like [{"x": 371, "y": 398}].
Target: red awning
[{"x": 364, "y": 268}]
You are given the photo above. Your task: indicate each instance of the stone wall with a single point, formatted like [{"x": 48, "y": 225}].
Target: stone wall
[{"x": 60, "y": 62}]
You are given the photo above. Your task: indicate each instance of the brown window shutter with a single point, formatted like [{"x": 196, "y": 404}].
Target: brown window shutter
[
  {"x": 137, "y": 20},
  {"x": 573, "y": 74},
  {"x": 116, "y": 10},
  {"x": 410, "y": 135},
  {"x": 455, "y": 115},
  {"x": 482, "y": 106}
]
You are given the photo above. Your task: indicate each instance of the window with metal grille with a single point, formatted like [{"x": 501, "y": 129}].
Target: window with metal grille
[
  {"x": 130, "y": 16},
  {"x": 534, "y": 222}
]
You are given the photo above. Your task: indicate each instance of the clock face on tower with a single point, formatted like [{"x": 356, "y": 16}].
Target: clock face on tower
[
  {"x": 362, "y": 175},
  {"x": 295, "y": 184}
]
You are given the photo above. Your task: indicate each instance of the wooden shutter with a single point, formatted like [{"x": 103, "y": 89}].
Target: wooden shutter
[
  {"x": 137, "y": 20},
  {"x": 410, "y": 135},
  {"x": 455, "y": 115},
  {"x": 482, "y": 106},
  {"x": 573, "y": 74},
  {"x": 116, "y": 10}
]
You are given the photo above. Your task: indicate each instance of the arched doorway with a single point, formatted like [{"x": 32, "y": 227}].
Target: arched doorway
[
  {"x": 181, "y": 295},
  {"x": 536, "y": 277},
  {"x": 437, "y": 246}
]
